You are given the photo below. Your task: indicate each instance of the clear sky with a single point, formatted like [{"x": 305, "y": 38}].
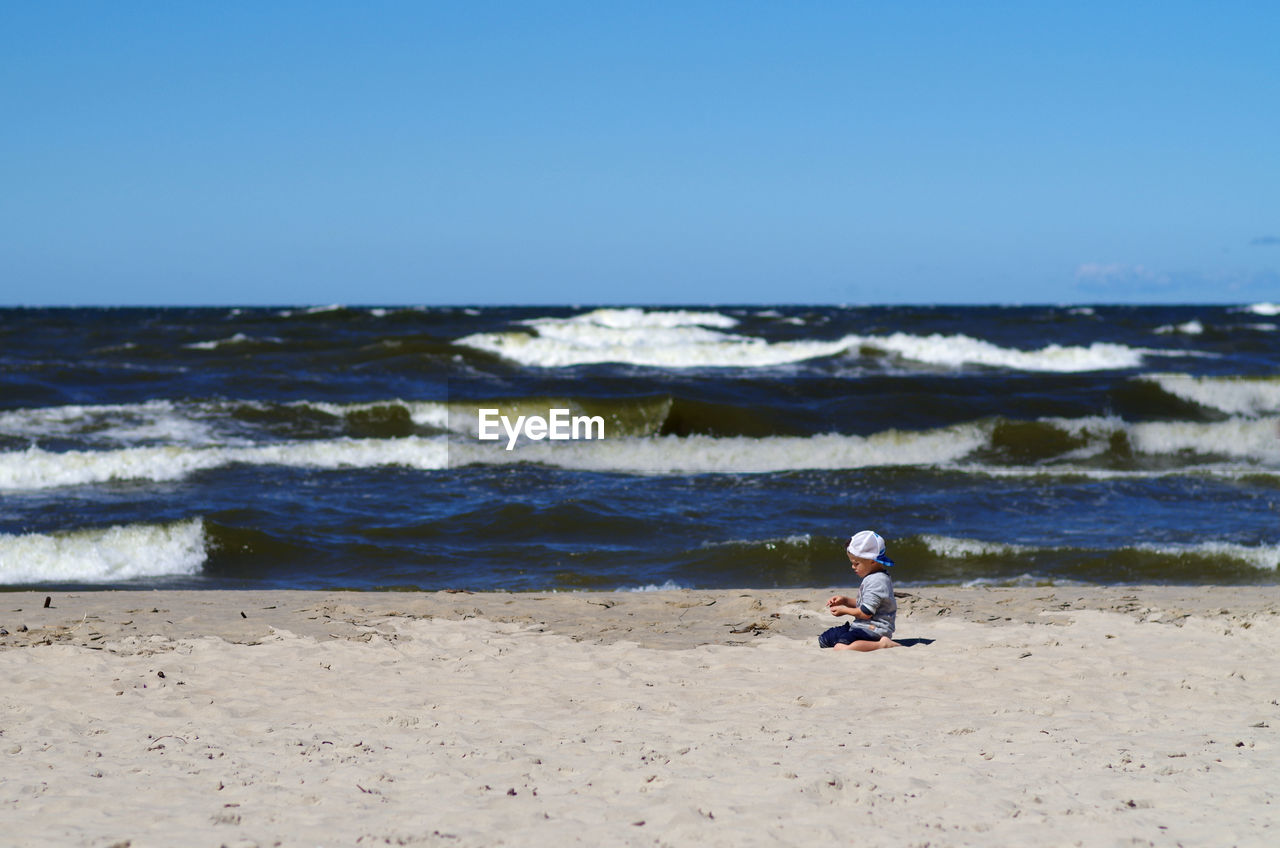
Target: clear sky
[{"x": 649, "y": 152}]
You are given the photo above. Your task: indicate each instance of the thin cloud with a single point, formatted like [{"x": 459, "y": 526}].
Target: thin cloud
[
  {"x": 1118, "y": 279},
  {"x": 1119, "y": 276}
]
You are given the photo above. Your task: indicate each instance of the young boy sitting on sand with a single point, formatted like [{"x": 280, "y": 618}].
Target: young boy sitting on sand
[{"x": 874, "y": 608}]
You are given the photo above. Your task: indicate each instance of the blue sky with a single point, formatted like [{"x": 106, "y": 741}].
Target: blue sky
[{"x": 641, "y": 153}]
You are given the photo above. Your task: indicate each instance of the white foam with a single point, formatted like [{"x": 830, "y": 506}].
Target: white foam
[
  {"x": 153, "y": 421},
  {"x": 637, "y": 319},
  {"x": 799, "y": 540},
  {"x": 1245, "y": 438},
  {"x": 1242, "y": 438},
  {"x": 422, "y": 413},
  {"x": 104, "y": 555},
  {"x": 1268, "y": 310},
  {"x": 429, "y": 414},
  {"x": 1233, "y": 395},
  {"x": 1221, "y": 471},
  {"x": 1261, "y": 557},
  {"x": 1254, "y": 444},
  {"x": 669, "y": 586},
  {"x": 1022, "y": 581},
  {"x": 180, "y": 423},
  {"x": 736, "y": 455},
  {"x": 311, "y": 310},
  {"x": 959, "y": 350},
  {"x": 654, "y": 339},
  {"x": 1190, "y": 328},
  {"x": 953, "y": 548},
  {"x": 233, "y": 341},
  {"x": 1254, "y": 441},
  {"x": 697, "y": 340},
  {"x": 39, "y": 469}
]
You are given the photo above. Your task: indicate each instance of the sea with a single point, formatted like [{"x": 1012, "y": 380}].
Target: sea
[{"x": 340, "y": 447}]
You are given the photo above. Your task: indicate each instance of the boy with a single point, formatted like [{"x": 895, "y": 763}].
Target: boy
[{"x": 874, "y": 608}]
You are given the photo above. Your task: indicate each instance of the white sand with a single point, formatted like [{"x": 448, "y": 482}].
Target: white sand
[{"x": 606, "y": 719}]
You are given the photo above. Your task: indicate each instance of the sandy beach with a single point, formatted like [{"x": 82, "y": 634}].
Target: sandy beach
[{"x": 1063, "y": 716}]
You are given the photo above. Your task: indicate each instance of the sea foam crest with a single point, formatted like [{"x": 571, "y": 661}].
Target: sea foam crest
[
  {"x": 1022, "y": 581},
  {"x": 954, "y": 548},
  {"x": 1189, "y": 328},
  {"x": 1241, "y": 438},
  {"x": 669, "y": 586},
  {"x": 1246, "y": 438},
  {"x": 736, "y": 455},
  {"x": 153, "y": 421},
  {"x": 1259, "y": 556},
  {"x": 187, "y": 422},
  {"x": 431, "y": 414},
  {"x": 35, "y": 468},
  {"x": 635, "y": 337},
  {"x": 104, "y": 555},
  {"x": 639, "y": 319},
  {"x": 960, "y": 350},
  {"x": 311, "y": 310},
  {"x": 697, "y": 340},
  {"x": 950, "y": 447},
  {"x": 1249, "y": 396},
  {"x": 233, "y": 341}
]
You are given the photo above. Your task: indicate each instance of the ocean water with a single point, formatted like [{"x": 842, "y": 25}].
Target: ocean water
[{"x": 339, "y": 447}]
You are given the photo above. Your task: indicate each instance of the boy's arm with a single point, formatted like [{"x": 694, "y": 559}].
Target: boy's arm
[
  {"x": 840, "y": 609},
  {"x": 843, "y": 605}
]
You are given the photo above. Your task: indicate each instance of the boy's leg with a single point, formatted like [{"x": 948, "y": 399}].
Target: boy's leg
[
  {"x": 867, "y": 645},
  {"x": 833, "y": 637}
]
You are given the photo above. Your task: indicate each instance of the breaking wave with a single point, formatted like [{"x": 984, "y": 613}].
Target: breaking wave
[
  {"x": 35, "y": 468},
  {"x": 699, "y": 340},
  {"x": 1249, "y": 396},
  {"x": 1262, "y": 557},
  {"x": 736, "y": 455},
  {"x": 210, "y": 423},
  {"x": 635, "y": 337},
  {"x": 1095, "y": 447},
  {"x": 1091, "y": 446},
  {"x": 239, "y": 340},
  {"x": 106, "y": 555}
]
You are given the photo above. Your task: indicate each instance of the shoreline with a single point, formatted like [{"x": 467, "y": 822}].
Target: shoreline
[
  {"x": 672, "y": 619},
  {"x": 260, "y": 718}
]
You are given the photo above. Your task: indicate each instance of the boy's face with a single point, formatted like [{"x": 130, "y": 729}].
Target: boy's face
[{"x": 863, "y": 567}]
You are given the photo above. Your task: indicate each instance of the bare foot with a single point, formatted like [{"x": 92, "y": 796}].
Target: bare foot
[{"x": 885, "y": 642}]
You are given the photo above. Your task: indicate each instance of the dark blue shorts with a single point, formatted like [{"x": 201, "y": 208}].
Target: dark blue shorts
[{"x": 845, "y": 634}]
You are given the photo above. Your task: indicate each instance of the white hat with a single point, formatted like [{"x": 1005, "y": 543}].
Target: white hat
[{"x": 868, "y": 545}]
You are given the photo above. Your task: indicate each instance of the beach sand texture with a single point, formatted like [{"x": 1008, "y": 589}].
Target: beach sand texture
[{"x": 1056, "y": 716}]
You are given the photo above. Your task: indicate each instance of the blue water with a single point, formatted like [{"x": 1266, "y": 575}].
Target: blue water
[{"x": 337, "y": 447}]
